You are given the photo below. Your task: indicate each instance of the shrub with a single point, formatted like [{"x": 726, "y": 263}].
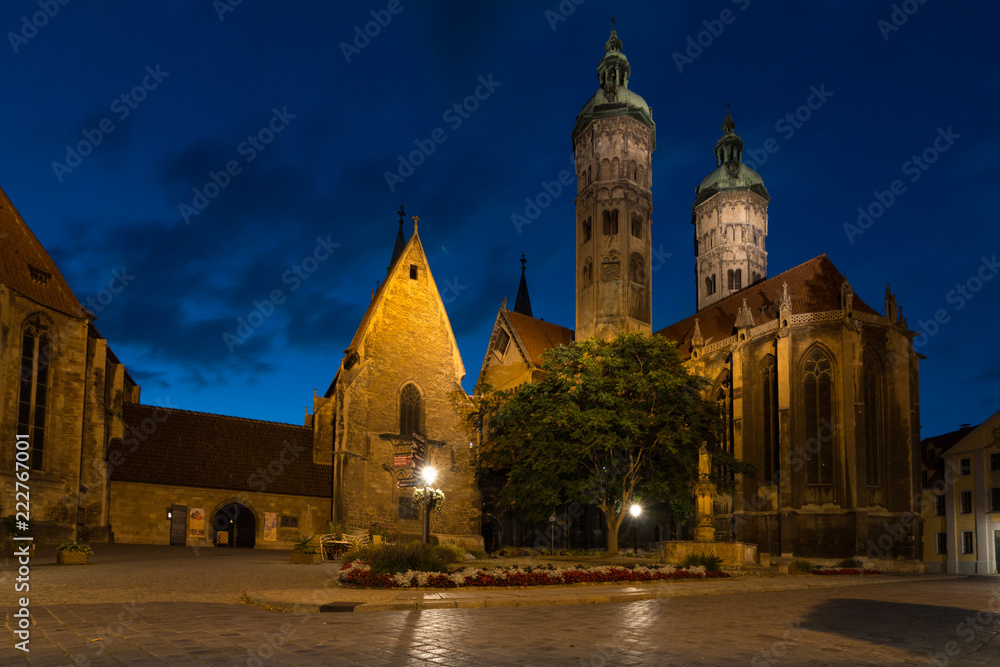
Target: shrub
[
  {"x": 850, "y": 564},
  {"x": 305, "y": 545},
  {"x": 478, "y": 553},
  {"x": 449, "y": 553},
  {"x": 74, "y": 547},
  {"x": 710, "y": 562},
  {"x": 800, "y": 566},
  {"x": 399, "y": 558}
]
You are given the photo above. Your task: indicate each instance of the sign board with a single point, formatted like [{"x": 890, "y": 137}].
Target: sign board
[
  {"x": 402, "y": 460},
  {"x": 418, "y": 448},
  {"x": 407, "y": 483}
]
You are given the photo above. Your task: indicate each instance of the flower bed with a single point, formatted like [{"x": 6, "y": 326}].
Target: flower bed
[
  {"x": 360, "y": 574},
  {"x": 844, "y": 570}
]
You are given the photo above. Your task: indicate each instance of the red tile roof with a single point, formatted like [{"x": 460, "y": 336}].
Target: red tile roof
[
  {"x": 536, "y": 336},
  {"x": 27, "y": 269},
  {"x": 813, "y": 286},
  {"x": 182, "y": 448}
]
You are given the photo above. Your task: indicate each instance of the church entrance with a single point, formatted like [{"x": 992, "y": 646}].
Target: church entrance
[{"x": 235, "y": 527}]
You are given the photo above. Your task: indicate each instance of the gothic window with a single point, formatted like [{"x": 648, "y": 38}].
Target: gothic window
[
  {"x": 637, "y": 225},
  {"x": 738, "y": 279},
  {"x": 769, "y": 418},
  {"x": 637, "y": 269},
  {"x": 501, "y": 343},
  {"x": 817, "y": 391},
  {"x": 36, "y": 354},
  {"x": 723, "y": 398},
  {"x": 710, "y": 285},
  {"x": 586, "y": 230},
  {"x": 614, "y": 221},
  {"x": 607, "y": 222},
  {"x": 409, "y": 410},
  {"x": 729, "y": 279},
  {"x": 587, "y": 276},
  {"x": 874, "y": 416}
]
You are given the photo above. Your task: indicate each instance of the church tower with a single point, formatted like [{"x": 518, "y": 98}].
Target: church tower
[
  {"x": 730, "y": 223},
  {"x": 613, "y": 144}
]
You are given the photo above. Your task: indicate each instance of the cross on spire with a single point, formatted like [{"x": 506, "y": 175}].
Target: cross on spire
[
  {"x": 416, "y": 219},
  {"x": 728, "y": 107},
  {"x": 401, "y": 213},
  {"x": 613, "y": 22},
  {"x": 523, "y": 262}
]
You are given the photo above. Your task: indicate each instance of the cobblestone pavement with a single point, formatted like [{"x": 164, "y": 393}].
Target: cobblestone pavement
[{"x": 915, "y": 622}]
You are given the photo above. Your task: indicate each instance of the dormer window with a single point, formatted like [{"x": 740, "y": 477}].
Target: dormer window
[{"x": 38, "y": 275}]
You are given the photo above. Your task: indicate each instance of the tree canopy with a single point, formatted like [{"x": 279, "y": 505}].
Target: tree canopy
[{"x": 611, "y": 421}]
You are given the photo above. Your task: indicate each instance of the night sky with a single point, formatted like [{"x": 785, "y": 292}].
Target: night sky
[{"x": 309, "y": 117}]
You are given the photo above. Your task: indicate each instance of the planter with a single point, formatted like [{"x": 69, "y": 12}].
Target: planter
[
  {"x": 300, "y": 558},
  {"x": 71, "y": 558},
  {"x": 377, "y": 539}
]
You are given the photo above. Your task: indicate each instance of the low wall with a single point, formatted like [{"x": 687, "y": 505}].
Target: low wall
[{"x": 731, "y": 553}]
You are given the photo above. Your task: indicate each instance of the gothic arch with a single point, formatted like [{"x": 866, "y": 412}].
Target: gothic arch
[
  {"x": 410, "y": 399},
  {"x": 770, "y": 424},
  {"x": 34, "y": 381},
  {"x": 873, "y": 393},
  {"x": 818, "y": 424}
]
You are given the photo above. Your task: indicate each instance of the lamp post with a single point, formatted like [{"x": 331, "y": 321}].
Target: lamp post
[
  {"x": 636, "y": 510},
  {"x": 428, "y": 474}
]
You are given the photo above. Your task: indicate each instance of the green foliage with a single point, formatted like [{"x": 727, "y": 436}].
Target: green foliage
[
  {"x": 399, "y": 558},
  {"x": 336, "y": 528},
  {"x": 449, "y": 553},
  {"x": 74, "y": 547},
  {"x": 478, "y": 553},
  {"x": 10, "y": 526},
  {"x": 710, "y": 562},
  {"x": 850, "y": 563},
  {"x": 306, "y": 545},
  {"x": 608, "y": 421},
  {"x": 800, "y": 566}
]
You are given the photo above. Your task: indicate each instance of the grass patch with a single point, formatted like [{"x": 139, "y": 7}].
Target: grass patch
[
  {"x": 400, "y": 558},
  {"x": 800, "y": 566}
]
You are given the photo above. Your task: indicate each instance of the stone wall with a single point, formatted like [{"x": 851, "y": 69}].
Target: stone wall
[{"x": 139, "y": 512}]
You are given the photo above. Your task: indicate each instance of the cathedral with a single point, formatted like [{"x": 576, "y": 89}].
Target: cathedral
[{"x": 818, "y": 388}]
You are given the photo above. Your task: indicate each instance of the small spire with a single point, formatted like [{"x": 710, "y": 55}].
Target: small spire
[
  {"x": 416, "y": 219},
  {"x": 744, "y": 317},
  {"x": 729, "y": 147},
  {"x": 522, "y": 304},
  {"x": 397, "y": 249},
  {"x": 697, "y": 340},
  {"x": 786, "y": 301}
]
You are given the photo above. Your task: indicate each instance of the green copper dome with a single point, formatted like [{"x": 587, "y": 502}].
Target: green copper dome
[
  {"x": 730, "y": 173},
  {"x": 613, "y": 97}
]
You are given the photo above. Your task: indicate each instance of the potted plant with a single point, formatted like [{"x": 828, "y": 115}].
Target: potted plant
[
  {"x": 336, "y": 529},
  {"x": 380, "y": 532},
  {"x": 305, "y": 551},
  {"x": 73, "y": 553}
]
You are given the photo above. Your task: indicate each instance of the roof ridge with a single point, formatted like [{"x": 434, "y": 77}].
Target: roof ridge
[{"x": 214, "y": 414}]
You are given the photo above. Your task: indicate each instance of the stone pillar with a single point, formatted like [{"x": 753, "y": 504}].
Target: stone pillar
[{"x": 704, "y": 496}]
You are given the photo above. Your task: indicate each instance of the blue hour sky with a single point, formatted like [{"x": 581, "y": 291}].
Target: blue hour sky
[{"x": 198, "y": 156}]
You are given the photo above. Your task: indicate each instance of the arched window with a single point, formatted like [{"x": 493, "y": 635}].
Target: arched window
[
  {"x": 637, "y": 225},
  {"x": 587, "y": 275},
  {"x": 769, "y": 418},
  {"x": 409, "y": 411},
  {"x": 723, "y": 398},
  {"x": 874, "y": 416},
  {"x": 614, "y": 221},
  {"x": 586, "y": 230},
  {"x": 615, "y": 169},
  {"x": 605, "y": 170},
  {"x": 710, "y": 285},
  {"x": 729, "y": 280},
  {"x": 637, "y": 268},
  {"x": 607, "y": 222},
  {"x": 817, "y": 391},
  {"x": 738, "y": 279},
  {"x": 36, "y": 355}
]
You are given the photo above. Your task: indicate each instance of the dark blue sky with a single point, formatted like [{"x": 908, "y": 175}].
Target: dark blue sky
[{"x": 207, "y": 83}]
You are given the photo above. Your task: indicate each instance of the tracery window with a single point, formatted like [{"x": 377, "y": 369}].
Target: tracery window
[
  {"x": 34, "y": 382},
  {"x": 817, "y": 389}
]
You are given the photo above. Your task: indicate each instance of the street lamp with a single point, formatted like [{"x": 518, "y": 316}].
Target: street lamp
[
  {"x": 428, "y": 474},
  {"x": 636, "y": 510}
]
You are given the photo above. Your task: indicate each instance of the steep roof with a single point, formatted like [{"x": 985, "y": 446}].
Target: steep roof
[
  {"x": 27, "y": 269},
  {"x": 216, "y": 452},
  {"x": 813, "y": 286},
  {"x": 537, "y": 336}
]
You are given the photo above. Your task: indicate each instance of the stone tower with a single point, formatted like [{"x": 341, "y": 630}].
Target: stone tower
[
  {"x": 730, "y": 224},
  {"x": 613, "y": 143}
]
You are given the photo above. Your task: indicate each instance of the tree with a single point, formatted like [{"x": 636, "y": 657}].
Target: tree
[{"x": 610, "y": 420}]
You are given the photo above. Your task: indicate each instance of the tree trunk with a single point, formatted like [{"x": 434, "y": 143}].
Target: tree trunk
[{"x": 614, "y": 523}]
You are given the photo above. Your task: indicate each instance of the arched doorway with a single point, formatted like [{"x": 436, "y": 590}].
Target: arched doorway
[
  {"x": 235, "y": 526},
  {"x": 492, "y": 532}
]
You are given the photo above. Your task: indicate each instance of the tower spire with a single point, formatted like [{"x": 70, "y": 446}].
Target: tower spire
[
  {"x": 397, "y": 249},
  {"x": 522, "y": 304}
]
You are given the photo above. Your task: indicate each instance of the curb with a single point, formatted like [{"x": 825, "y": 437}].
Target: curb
[{"x": 274, "y": 604}]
